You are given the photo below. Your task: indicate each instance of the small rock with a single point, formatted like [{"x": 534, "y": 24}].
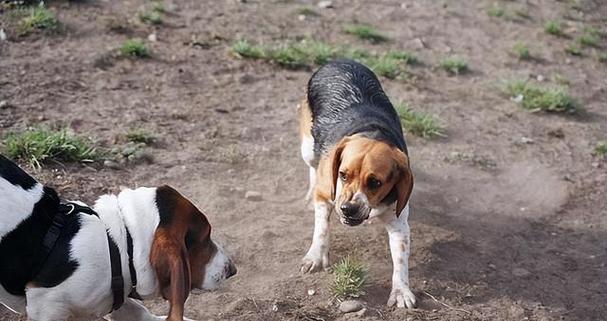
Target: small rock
[
  {"x": 2, "y": 35},
  {"x": 418, "y": 43},
  {"x": 350, "y": 306},
  {"x": 520, "y": 272},
  {"x": 527, "y": 140},
  {"x": 3, "y": 104},
  {"x": 568, "y": 61},
  {"x": 275, "y": 307},
  {"x": 325, "y": 4},
  {"x": 111, "y": 164},
  {"x": 362, "y": 312},
  {"x": 540, "y": 78},
  {"x": 153, "y": 37},
  {"x": 301, "y": 17},
  {"x": 311, "y": 292},
  {"x": 518, "y": 99},
  {"x": 253, "y": 196},
  {"x": 492, "y": 266}
]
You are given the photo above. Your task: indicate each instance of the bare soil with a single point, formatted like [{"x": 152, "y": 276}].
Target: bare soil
[{"x": 503, "y": 228}]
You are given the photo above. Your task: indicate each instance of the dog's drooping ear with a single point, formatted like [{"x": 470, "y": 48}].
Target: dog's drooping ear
[
  {"x": 169, "y": 258},
  {"x": 328, "y": 172},
  {"x": 404, "y": 185}
]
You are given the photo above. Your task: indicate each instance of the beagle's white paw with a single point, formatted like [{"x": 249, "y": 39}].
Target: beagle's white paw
[
  {"x": 314, "y": 263},
  {"x": 402, "y": 297}
]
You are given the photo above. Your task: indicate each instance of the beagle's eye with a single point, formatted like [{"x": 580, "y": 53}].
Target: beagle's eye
[
  {"x": 373, "y": 183},
  {"x": 343, "y": 176}
]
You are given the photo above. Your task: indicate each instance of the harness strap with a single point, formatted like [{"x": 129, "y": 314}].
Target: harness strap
[
  {"x": 53, "y": 233},
  {"x": 129, "y": 249}
]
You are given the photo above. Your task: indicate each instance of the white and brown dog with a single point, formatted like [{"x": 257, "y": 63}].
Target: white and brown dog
[
  {"x": 351, "y": 138},
  {"x": 82, "y": 263}
]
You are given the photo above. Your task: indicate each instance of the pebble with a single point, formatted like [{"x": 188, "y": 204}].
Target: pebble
[
  {"x": 527, "y": 140},
  {"x": 311, "y": 292},
  {"x": 111, "y": 164},
  {"x": 2, "y": 35},
  {"x": 3, "y": 104},
  {"x": 350, "y": 306},
  {"x": 325, "y": 4},
  {"x": 540, "y": 78},
  {"x": 253, "y": 196},
  {"x": 520, "y": 272},
  {"x": 153, "y": 37}
]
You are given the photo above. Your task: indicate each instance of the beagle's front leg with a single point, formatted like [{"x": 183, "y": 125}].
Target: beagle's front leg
[
  {"x": 398, "y": 233},
  {"x": 317, "y": 257}
]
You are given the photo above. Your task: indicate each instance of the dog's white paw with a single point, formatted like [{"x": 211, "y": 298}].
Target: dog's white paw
[
  {"x": 402, "y": 297},
  {"x": 314, "y": 263}
]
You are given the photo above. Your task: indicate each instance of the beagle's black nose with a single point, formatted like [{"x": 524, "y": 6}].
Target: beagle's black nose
[
  {"x": 231, "y": 270},
  {"x": 349, "y": 209}
]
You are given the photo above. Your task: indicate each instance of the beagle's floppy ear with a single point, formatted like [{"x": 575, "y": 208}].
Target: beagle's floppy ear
[
  {"x": 404, "y": 185},
  {"x": 169, "y": 259},
  {"x": 328, "y": 172},
  {"x": 180, "y": 222}
]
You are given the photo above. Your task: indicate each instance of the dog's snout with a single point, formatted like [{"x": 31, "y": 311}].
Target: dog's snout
[
  {"x": 231, "y": 270},
  {"x": 349, "y": 208}
]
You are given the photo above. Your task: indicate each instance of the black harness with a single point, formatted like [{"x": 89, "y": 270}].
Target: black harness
[{"x": 54, "y": 231}]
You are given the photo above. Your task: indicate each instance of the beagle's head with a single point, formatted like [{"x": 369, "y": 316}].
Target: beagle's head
[
  {"x": 183, "y": 255},
  {"x": 366, "y": 175}
]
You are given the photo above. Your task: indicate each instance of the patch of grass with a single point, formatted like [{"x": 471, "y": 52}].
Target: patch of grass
[
  {"x": 349, "y": 277},
  {"x": 554, "y": 28},
  {"x": 37, "y": 18},
  {"x": 496, "y": 12},
  {"x": 419, "y": 124},
  {"x": 589, "y": 39},
  {"x": 454, "y": 65},
  {"x": 522, "y": 51},
  {"x": 536, "y": 98},
  {"x": 245, "y": 49},
  {"x": 573, "y": 50},
  {"x": 134, "y": 48},
  {"x": 603, "y": 57},
  {"x": 366, "y": 32},
  {"x": 308, "y": 12},
  {"x": 139, "y": 135},
  {"x": 151, "y": 17},
  {"x": 158, "y": 7},
  {"x": 308, "y": 52},
  {"x": 231, "y": 154},
  {"x": 601, "y": 149},
  {"x": 38, "y": 146}
]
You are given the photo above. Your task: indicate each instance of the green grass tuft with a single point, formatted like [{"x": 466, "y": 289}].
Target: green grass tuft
[
  {"x": 349, "y": 277},
  {"x": 601, "y": 149},
  {"x": 589, "y": 40},
  {"x": 245, "y": 49},
  {"x": 139, "y": 135},
  {"x": 554, "y": 28},
  {"x": 366, "y": 32},
  {"x": 496, "y": 12},
  {"x": 37, "y": 18},
  {"x": 308, "y": 12},
  {"x": 603, "y": 57},
  {"x": 419, "y": 124},
  {"x": 573, "y": 50},
  {"x": 134, "y": 48},
  {"x": 454, "y": 65},
  {"x": 536, "y": 98},
  {"x": 522, "y": 51},
  {"x": 151, "y": 17},
  {"x": 308, "y": 52},
  {"x": 38, "y": 146}
]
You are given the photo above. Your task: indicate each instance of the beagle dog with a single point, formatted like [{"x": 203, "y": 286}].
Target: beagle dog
[
  {"x": 352, "y": 140},
  {"x": 85, "y": 263}
]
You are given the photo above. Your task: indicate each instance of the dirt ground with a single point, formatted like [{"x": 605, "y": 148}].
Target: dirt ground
[{"x": 509, "y": 210}]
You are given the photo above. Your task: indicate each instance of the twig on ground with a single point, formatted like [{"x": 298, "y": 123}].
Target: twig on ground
[{"x": 445, "y": 304}]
